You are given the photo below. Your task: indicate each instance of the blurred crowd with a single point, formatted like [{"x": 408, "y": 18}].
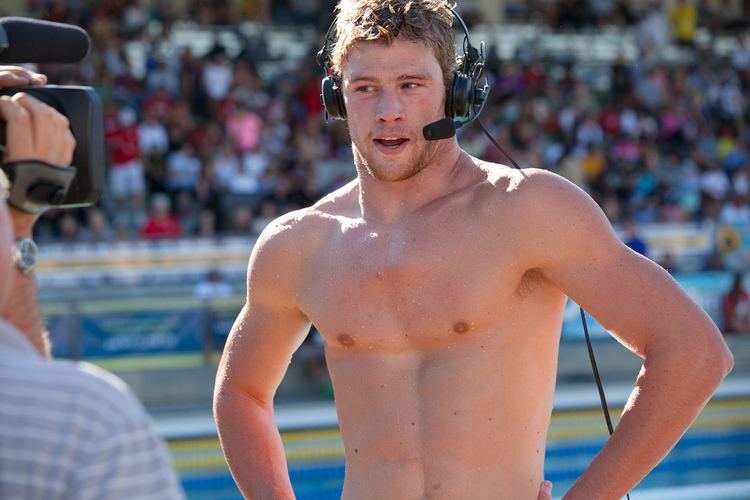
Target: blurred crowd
[{"x": 202, "y": 145}]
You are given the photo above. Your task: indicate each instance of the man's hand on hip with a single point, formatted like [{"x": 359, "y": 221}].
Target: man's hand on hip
[{"x": 545, "y": 491}]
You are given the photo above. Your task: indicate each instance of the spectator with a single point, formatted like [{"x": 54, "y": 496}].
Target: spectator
[
  {"x": 684, "y": 20},
  {"x": 247, "y": 180},
  {"x": 183, "y": 169},
  {"x": 206, "y": 223},
  {"x": 735, "y": 307},
  {"x": 669, "y": 263},
  {"x": 741, "y": 54},
  {"x": 159, "y": 104},
  {"x": 97, "y": 229},
  {"x": 714, "y": 181},
  {"x": 226, "y": 165},
  {"x": 153, "y": 140},
  {"x": 244, "y": 127},
  {"x": 735, "y": 211},
  {"x": 69, "y": 228},
  {"x": 241, "y": 221},
  {"x": 633, "y": 239},
  {"x": 653, "y": 31},
  {"x": 161, "y": 223},
  {"x": 213, "y": 287},
  {"x": 268, "y": 212},
  {"x": 217, "y": 74},
  {"x": 714, "y": 262},
  {"x": 126, "y": 176}
]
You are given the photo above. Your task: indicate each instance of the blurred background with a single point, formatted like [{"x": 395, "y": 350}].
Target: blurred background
[{"x": 214, "y": 127}]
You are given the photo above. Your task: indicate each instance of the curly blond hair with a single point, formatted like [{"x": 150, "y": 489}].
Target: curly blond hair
[{"x": 427, "y": 21}]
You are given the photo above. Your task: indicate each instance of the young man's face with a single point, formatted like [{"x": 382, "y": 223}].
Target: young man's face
[{"x": 391, "y": 92}]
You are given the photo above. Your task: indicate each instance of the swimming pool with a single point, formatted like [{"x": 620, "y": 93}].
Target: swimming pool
[{"x": 715, "y": 449}]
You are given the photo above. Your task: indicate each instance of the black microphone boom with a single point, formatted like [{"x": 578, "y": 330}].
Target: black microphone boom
[
  {"x": 441, "y": 129},
  {"x": 24, "y": 40}
]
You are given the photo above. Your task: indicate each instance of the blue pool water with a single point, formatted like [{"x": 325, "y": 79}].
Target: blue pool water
[{"x": 716, "y": 449}]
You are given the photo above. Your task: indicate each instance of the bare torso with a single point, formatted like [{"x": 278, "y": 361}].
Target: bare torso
[{"x": 441, "y": 343}]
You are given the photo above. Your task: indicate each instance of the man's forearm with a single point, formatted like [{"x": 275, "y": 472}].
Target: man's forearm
[
  {"x": 252, "y": 446},
  {"x": 670, "y": 392},
  {"x": 22, "y": 311}
]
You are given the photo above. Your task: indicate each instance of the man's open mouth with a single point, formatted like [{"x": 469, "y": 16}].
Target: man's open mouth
[{"x": 391, "y": 142}]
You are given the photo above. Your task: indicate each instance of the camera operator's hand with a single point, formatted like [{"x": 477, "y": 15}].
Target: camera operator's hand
[
  {"x": 15, "y": 76},
  {"x": 34, "y": 131}
]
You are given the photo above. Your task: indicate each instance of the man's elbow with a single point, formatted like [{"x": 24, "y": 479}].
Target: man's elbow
[
  {"x": 726, "y": 360},
  {"x": 716, "y": 360},
  {"x": 230, "y": 399}
]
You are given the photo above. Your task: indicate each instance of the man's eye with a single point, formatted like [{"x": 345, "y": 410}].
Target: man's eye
[
  {"x": 365, "y": 89},
  {"x": 410, "y": 85}
]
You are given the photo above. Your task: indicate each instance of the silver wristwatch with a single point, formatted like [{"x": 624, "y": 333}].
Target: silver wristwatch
[{"x": 24, "y": 255}]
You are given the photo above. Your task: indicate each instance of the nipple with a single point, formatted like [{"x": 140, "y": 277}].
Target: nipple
[
  {"x": 345, "y": 340},
  {"x": 461, "y": 327}
]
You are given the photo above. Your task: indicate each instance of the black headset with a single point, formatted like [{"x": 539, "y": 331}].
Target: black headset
[{"x": 467, "y": 93}]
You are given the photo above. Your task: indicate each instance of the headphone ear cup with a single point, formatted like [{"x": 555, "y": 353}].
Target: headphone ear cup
[
  {"x": 461, "y": 97},
  {"x": 333, "y": 101}
]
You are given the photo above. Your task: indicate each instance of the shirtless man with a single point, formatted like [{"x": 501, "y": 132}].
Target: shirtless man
[{"x": 438, "y": 283}]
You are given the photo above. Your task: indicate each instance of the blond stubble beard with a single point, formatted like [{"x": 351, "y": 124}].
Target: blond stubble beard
[{"x": 422, "y": 160}]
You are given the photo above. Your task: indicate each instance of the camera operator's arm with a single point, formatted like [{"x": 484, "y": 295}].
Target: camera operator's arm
[{"x": 34, "y": 131}]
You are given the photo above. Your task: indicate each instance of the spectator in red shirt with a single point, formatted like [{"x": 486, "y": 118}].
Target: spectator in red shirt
[
  {"x": 161, "y": 224},
  {"x": 126, "y": 179},
  {"x": 160, "y": 104},
  {"x": 736, "y": 308}
]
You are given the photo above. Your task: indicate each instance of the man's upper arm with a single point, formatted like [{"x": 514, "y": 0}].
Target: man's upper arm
[
  {"x": 270, "y": 326},
  {"x": 632, "y": 297}
]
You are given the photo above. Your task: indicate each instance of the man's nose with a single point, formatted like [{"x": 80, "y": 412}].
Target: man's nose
[{"x": 390, "y": 106}]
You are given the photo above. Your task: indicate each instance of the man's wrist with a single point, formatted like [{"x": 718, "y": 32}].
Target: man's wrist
[
  {"x": 23, "y": 223},
  {"x": 24, "y": 253}
]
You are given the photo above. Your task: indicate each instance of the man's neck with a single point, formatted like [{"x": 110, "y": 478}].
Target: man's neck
[{"x": 389, "y": 201}]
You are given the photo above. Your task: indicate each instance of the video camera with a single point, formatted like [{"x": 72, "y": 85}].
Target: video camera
[{"x": 36, "y": 186}]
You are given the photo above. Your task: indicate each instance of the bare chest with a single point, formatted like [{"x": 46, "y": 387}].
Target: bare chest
[{"x": 419, "y": 287}]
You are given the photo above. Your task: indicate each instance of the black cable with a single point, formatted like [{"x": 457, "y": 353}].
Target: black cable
[
  {"x": 498, "y": 146},
  {"x": 598, "y": 379}
]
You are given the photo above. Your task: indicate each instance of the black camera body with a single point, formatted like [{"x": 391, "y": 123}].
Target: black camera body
[{"x": 83, "y": 108}]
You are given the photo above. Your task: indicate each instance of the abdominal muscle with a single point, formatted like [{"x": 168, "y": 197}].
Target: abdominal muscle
[{"x": 467, "y": 419}]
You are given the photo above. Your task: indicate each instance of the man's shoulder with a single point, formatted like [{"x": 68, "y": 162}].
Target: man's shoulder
[
  {"x": 97, "y": 387},
  {"x": 310, "y": 224},
  {"x": 69, "y": 388},
  {"x": 529, "y": 185}
]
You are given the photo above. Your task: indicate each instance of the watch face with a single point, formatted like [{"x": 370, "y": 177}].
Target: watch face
[{"x": 26, "y": 251}]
